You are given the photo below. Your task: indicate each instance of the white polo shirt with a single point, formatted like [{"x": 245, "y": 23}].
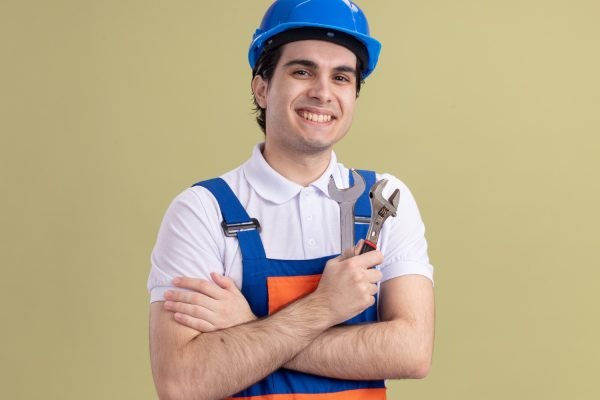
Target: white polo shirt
[{"x": 297, "y": 223}]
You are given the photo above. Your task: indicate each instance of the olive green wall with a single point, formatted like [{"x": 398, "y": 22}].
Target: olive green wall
[{"x": 488, "y": 110}]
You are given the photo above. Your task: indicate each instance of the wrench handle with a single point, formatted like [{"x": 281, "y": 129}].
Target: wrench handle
[
  {"x": 367, "y": 246},
  {"x": 347, "y": 225}
]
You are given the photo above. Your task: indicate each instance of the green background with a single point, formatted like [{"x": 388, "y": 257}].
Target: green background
[{"x": 488, "y": 110}]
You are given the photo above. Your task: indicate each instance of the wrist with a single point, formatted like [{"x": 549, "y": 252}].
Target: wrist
[{"x": 319, "y": 308}]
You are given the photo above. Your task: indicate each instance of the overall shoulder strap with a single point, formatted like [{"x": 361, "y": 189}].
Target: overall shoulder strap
[
  {"x": 362, "y": 209},
  {"x": 236, "y": 221}
]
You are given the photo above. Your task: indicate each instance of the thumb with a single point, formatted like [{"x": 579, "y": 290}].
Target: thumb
[
  {"x": 224, "y": 282},
  {"x": 358, "y": 247}
]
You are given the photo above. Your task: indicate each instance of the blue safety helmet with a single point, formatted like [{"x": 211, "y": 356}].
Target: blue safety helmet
[{"x": 337, "y": 21}]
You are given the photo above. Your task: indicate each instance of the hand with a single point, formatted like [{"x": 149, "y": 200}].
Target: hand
[
  {"x": 349, "y": 283},
  {"x": 209, "y": 307}
]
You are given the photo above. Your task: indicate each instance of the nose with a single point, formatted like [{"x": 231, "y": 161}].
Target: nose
[{"x": 321, "y": 90}]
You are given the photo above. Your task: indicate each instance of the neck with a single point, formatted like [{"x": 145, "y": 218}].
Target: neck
[{"x": 302, "y": 169}]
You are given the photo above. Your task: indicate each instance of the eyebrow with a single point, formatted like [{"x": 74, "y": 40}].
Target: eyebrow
[{"x": 313, "y": 65}]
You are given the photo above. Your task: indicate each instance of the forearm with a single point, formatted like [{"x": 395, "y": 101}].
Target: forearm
[
  {"x": 382, "y": 350},
  {"x": 218, "y": 364}
]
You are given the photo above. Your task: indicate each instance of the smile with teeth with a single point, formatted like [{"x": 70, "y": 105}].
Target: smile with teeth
[{"x": 315, "y": 117}]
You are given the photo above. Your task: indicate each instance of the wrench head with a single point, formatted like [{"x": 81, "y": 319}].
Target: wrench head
[
  {"x": 349, "y": 195},
  {"x": 378, "y": 201}
]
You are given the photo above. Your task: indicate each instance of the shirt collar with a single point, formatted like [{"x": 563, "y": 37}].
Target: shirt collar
[{"x": 272, "y": 186}]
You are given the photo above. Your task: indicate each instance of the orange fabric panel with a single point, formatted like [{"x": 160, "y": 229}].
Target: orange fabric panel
[
  {"x": 284, "y": 290},
  {"x": 360, "y": 394}
]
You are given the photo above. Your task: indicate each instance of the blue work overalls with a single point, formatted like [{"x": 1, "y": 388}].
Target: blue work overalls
[{"x": 270, "y": 284}]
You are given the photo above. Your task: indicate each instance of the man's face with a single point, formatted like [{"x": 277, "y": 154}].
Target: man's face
[{"x": 310, "y": 98}]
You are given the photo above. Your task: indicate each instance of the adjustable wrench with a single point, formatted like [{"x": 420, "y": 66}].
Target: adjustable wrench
[
  {"x": 346, "y": 198},
  {"x": 381, "y": 209}
]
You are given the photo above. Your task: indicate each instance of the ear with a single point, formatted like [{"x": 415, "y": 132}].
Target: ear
[{"x": 259, "y": 89}]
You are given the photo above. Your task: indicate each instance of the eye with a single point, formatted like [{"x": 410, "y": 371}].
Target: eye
[
  {"x": 301, "y": 72},
  {"x": 342, "y": 78}
]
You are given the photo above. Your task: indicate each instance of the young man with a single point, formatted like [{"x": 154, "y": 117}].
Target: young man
[{"x": 275, "y": 314}]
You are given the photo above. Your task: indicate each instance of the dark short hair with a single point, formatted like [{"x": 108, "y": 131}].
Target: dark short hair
[{"x": 265, "y": 67}]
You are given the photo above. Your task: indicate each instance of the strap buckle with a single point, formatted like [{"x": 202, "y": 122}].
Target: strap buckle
[{"x": 231, "y": 230}]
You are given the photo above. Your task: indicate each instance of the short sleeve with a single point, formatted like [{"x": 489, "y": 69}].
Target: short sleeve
[
  {"x": 403, "y": 237},
  {"x": 188, "y": 243}
]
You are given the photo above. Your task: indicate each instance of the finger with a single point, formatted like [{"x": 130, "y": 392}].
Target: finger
[
  {"x": 374, "y": 289},
  {"x": 374, "y": 275},
  {"x": 191, "y": 310},
  {"x": 188, "y": 297},
  {"x": 194, "y": 323},
  {"x": 370, "y": 259},
  {"x": 224, "y": 282},
  {"x": 199, "y": 285},
  {"x": 358, "y": 247}
]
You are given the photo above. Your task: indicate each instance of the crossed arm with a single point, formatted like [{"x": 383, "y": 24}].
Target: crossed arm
[
  {"x": 400, "y": 346},
  {"x": 188, "y": 363}
]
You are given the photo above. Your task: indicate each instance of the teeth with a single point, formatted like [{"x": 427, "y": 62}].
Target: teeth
[{"x": 316, "y": 117}]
